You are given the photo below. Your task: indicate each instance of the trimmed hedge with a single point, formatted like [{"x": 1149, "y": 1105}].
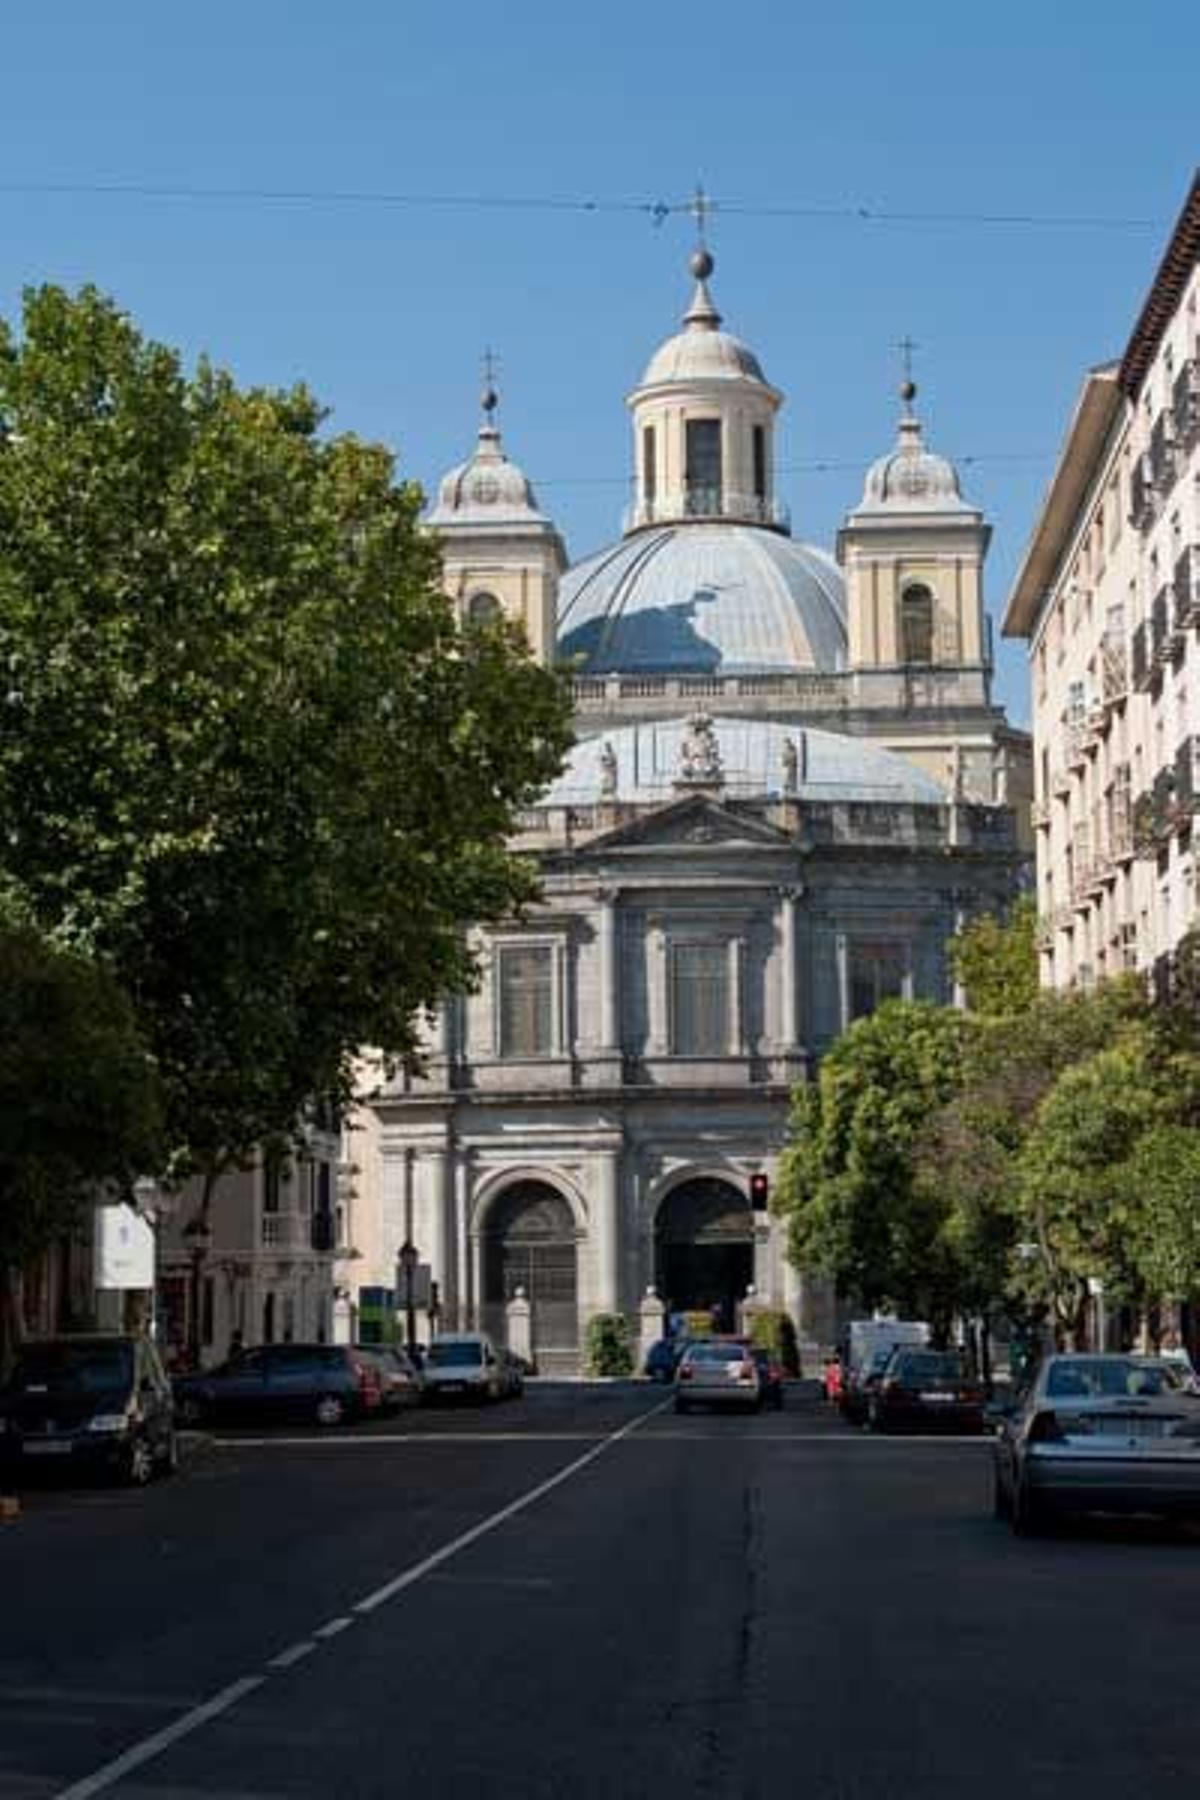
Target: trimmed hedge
[
  {"x": 607, "y": 1349},
  {"x": 775, "y": 1331}
]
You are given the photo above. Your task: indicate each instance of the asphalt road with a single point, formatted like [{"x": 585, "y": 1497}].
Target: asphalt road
[{"x": 577, "y": 1595}]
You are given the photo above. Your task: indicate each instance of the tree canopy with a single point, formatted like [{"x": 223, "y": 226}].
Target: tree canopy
[
  {"x": 995, "y": 961},
  {"x": 248, "y": 757}
]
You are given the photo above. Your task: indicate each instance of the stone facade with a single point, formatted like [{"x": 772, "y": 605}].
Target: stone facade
[{"x": 1108, "y": 598}]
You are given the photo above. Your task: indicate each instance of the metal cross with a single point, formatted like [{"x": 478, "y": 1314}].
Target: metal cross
[
  {"x": 491, "y": 368},
  {"x": 906, "y": 347},
  {"x": 701, "y": 209}
]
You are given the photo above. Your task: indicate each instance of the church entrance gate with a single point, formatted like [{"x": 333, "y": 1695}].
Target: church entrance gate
[
  {"x": 704, "y": 1249},
  {"x": 530, "y": 1242}
]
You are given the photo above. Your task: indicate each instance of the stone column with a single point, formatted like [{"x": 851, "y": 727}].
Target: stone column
[
  {"x": 605, "y": 1230},
  {"x": 652, "y": 1315},
  {"x": 463, "y": 1296},
  {"x": 788, "y": 1033},
  {"x": 608, "y": 974},
  {"x": 435, "y": 1250}
]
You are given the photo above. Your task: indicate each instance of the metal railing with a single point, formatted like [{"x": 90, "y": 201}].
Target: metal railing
[{"x": 698, "y": 503}]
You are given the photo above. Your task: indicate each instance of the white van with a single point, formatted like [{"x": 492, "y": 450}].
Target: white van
[
  {"x": 865, "y": 1338},
  {"x": 463, "y": 1364}
]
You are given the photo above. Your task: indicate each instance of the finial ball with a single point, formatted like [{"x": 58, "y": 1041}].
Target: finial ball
[
  {"x": 701, "y": 264},
  {"x": 908, "y": 392},
  {"x": 489, "y": 399}
]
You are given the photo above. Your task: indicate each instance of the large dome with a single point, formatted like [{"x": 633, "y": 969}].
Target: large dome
[{"x": 697, "y": 599}]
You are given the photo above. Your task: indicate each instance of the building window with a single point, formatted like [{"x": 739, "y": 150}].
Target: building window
[
  {"x": 526, "y": 973},
  {"x": 700, "y": 999},
  {"x": 760, "y": 463},
  {"x": 649, "y": 466},
  {"x": 916, "y": 624},
  {"x": 703, "y": 477},
  {"x": 271, "y": 1181},
  {"x": 484, "y": 609},
  {"x": 878, "y": 972}
]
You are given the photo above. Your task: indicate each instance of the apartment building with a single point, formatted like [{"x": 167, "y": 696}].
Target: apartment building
[{"x": 1107, "y": 597}]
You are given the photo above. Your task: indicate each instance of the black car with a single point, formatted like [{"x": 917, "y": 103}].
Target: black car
[
  {"x": 771, "y": 1372},
  {"x": 926, "y": 1390},
  {"x": 97, "y": 1403},
  {"x": 661, "y": 1360},
  {"x": 324, "y": 1384}
]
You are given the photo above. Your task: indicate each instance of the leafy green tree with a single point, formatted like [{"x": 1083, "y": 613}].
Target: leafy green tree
[
  {"x": 1162, "y": 1173},
  {"x": 79, "y": 1098},
  {"x": 1082, "y": 1217},
  {"x": 607, "y": 1346},
  {"x": 847, "y": 1179},
  {"x": 246, "y": 752},
  {"x": 995, "y": 961}
]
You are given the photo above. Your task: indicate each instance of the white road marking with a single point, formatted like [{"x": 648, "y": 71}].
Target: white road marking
[
  {"x": 418, "y": 1571},
  {"x": 334, "y": 1628},
  {"x": 153, "y": 1746},
  {"x": 293, "y": 1654}
]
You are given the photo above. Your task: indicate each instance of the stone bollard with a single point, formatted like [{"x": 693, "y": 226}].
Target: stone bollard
[
  {"x": 652, "y": 1315},
  {"x": 752, "y": 1304},
  {"x": 519, "y": 1315}
]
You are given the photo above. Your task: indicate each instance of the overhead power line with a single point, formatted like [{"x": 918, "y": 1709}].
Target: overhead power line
[
  {"x": 838, "y": 466},
  {"x": 656, "y": 211}
]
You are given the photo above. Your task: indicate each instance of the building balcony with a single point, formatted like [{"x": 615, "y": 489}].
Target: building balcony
[
  {"x": 1141, "y": 494},
  {"x": 1185, "y": 588},
  {"x": 286, "y": 1231},
  {"x": 1164, "y": 460},
  {"x": 1114, "y": 668},
  {"x": 701, "y": 503},
  {"x": 1185, "y": 404},
  {"x": 1060, "y": 780},
  {"x": 1039, "y": 815},
  {"x": 1141, "y": 669}
]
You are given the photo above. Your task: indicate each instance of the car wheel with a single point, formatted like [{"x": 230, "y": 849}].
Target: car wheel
[
  {"x": 138, "y": 1465},
  {"x": 871, "y": 1422},
  {"x": 169, "y": 1463},
  {"x": 330, "y": 1410}
]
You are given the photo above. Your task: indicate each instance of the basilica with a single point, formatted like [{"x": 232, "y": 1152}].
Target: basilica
[{"x": 789, "y": 788}]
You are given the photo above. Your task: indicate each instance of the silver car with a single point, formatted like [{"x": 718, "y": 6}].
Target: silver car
[
  {"x": 463, "y": 1365},
  {"x": 1099, "y": 1433},
  {"x": 718, "y": 1372}
]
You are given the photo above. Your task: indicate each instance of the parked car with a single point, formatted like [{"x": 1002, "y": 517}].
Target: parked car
[
  {"x": 322, "y": 1383},
  {"x": 464, "y": 1366},
  {"x": 718, "y": 1372},
  {"x": 1098, "y": 1433},
  {"x": 661, "y": 1360},
  {"x": 926, "y": 1390},
  {"x": 859, "y": 1382},
  {"x": 97, "y": 1402},
  {"x": 771, "y": 1372},
  {"x": 401, "y": 1383}
]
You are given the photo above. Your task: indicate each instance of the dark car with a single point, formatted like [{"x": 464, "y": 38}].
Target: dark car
[
  {"x": 100, "y": 1403},
  {"x": 661, "y": 1360},
  {"x": 858, "y": 1385},
  {"x": 926, "y": 1390},
  {"x": 322, "y": 1383},
  {"x": 771, "y": 1371}
]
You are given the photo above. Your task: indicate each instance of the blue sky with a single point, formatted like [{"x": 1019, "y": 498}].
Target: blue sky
[{"x": 1080, "y": 108}]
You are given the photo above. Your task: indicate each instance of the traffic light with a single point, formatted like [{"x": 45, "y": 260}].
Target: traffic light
[{"x": 760, "y": 1187}]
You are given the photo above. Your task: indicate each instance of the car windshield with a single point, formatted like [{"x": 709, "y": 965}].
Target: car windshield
[
  {"x": 455, "y": 1356},
  {"x": 1095, "y": 1378},
  {"x": 931, "y": 1365},
  {"x": 73, "y": 1368}
]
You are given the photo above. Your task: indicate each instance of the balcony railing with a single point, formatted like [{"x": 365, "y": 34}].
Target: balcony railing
[
  {"x": 1185, "y": 403},
  {"x": 1039, "y": 814},
  {"x": 1185, "y": 587},
  {"x": 707, "y": 503},
  {"x": 1141, "y": 494},
  {"x": 1120, "y": 824},
  {"x": 1163, "y": 460},
  {"x": 1141, "y": 670},
  {"x": 286, "y": 1231},
  {"x": 1114, "y": 667}
]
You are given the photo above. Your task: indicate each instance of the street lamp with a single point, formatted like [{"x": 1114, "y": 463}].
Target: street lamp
[
  {"x": 198, "y": 1235},
  {"x": 408, "y": 1257}
]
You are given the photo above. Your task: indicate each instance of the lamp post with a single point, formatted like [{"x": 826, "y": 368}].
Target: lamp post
[
  {"x": 408, "y": 1257},
  {"x": 198, "y": 1233}
]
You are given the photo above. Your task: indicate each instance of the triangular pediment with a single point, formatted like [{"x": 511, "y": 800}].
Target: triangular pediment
[{"x": 691, "y": 822}]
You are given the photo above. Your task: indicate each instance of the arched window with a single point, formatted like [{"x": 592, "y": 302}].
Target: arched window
[
  {"x": 916, "y": 624},
  {"x": 483, "y": 609}
]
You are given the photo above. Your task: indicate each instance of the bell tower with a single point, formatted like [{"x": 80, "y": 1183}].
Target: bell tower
[
  {"x": 913, "y": 553},
  {"x": 501, "y": 556}
]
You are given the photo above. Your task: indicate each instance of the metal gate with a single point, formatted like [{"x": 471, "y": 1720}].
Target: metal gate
[{"x": 530, "y": 1242}]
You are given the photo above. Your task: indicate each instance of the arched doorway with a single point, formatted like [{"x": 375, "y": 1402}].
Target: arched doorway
[
  {"x": 704, "y": 1248},
  {"x": 529, "y": 1242}
]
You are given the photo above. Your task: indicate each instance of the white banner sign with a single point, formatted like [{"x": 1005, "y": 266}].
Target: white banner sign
[{"x": 123, "y": 1249}]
